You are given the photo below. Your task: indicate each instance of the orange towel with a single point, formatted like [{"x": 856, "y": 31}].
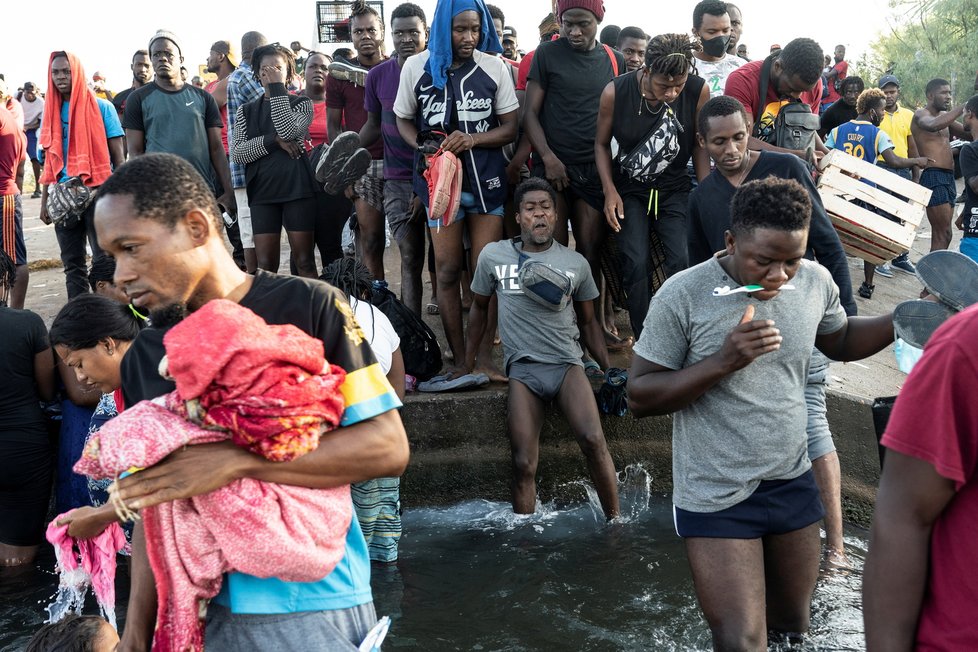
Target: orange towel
[{"x": 88, "y": 149}]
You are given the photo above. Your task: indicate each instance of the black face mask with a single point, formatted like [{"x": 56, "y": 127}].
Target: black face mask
[{"x": 716, "y": 46}]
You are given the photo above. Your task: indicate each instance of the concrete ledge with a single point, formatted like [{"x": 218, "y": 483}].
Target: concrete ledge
[{"x": 460, "y": 450}]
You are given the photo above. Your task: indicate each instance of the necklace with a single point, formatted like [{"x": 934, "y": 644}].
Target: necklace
[
  {"x": 743, "y": 173},
  {"x": 645, "y": 99}
]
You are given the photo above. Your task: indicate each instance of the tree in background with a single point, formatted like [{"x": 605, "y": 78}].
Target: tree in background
[{"x": 930, "y": 38}]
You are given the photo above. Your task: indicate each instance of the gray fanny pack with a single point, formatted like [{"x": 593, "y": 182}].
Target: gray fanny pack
[{"x": 547, "y": 286}]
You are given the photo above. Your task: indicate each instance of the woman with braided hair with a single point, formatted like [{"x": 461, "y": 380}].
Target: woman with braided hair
[
  {"x": 27, "y": 368},
  {"x": 269, "y": 140},
  {"x": 651, "y": 114}
]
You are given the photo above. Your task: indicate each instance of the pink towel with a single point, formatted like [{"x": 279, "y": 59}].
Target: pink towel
[
  {"x": 268, "y": 389},
  {"x": 194, "y": 542},
  {"x": 83, "y": 563}
]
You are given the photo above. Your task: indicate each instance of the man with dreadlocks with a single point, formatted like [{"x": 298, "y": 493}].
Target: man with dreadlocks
[
  {"x": 652, "y": 113},
  {"x": 345, "y": 110}
]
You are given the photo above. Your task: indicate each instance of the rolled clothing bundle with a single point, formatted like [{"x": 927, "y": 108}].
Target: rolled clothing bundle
[{"x": 268, "y": 389}]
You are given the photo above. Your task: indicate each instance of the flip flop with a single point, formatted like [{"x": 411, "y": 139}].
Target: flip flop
[
  {"x": 353, "y": 169},
  {"x": 335, "y": 155},
  {"x": 915, "y": 321},
  {"x": 432, "y": 309},
  {"x": 950, "y": 276},
  {"x": 442, "y": 383}
]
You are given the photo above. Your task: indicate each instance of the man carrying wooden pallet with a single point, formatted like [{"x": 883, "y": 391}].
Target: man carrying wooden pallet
[{"x": 864, "y": 139}]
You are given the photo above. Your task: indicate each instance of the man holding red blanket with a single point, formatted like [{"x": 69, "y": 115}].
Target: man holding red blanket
[
  {"x": 81, "y": 137},
  {"x": 158, "y": 218}
]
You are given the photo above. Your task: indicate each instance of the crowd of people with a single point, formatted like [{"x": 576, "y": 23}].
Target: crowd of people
[{"x": 671, "y": 163}]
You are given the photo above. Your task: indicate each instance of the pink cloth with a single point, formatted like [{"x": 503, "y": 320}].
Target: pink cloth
[
  {"x": 267, "y": 388},
  {"x": 268, "y": 385},
  {"x": 95, "y": 556},
  {"x": 193, "y": 542}
]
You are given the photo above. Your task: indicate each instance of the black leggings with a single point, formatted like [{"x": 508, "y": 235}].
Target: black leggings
[{"x": 25, "y": 487}]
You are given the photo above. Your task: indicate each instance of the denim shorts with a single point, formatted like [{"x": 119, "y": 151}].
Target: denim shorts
[
  {"x": 468, "y": 206},
  {"x": 775, "y": 507}
]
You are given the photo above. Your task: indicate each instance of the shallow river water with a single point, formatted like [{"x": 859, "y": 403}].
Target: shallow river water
[{"x": 474, "y": 576}]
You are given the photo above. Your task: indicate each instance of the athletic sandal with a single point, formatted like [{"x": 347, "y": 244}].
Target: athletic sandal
[
  {"x": 866, "y": 290},
  {"x": 950, "y": 276},
  {"x": 432, "y": 309},
  {"x": 444, "y": 177},
  {"x": 335, "y": 155},
  {"x": 352, "y": 171},
  {"x": 915, "y": 321},
  {"x": 344, "y": 71}
]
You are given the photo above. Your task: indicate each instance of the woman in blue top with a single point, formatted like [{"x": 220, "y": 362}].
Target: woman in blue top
[{"x": 459, "y": 88}]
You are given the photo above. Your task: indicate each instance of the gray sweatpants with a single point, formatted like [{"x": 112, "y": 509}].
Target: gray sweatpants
[{"x": 339, "y": 630}]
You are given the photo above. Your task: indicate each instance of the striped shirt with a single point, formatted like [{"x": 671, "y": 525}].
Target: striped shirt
[{"x": 242, "y": 88}]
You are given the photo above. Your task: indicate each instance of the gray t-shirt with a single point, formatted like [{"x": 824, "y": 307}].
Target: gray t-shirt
[
  {"x": 750, "y": 426},
  {"x": 529, "y": 330},
  {"x": 176, "y": 123}
]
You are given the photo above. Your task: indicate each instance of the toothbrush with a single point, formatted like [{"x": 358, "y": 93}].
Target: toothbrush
[{"x": 725, "y": 290}]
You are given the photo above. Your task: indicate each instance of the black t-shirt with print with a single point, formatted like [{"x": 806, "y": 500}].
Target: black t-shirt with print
[{"x": 314, "y": 307}]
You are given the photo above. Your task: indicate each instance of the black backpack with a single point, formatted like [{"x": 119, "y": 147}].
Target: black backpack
[
  {"x": 794, "y": 127},
  {"x": 419, "y": 347}
]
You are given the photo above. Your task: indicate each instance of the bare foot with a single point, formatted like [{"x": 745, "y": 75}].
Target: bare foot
[
  {"x": 835, "y": 560},
  {"x": 610, "y": 328},
  {"x": 615, "y": 343},
  {"x": 491, "y": 370}
]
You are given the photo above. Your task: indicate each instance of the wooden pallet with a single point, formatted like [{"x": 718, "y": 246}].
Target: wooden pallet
[{"x": 865, "y": 234}]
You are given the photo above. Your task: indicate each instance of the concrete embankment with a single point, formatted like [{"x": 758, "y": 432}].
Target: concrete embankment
[{"x": 460, "y": 450}]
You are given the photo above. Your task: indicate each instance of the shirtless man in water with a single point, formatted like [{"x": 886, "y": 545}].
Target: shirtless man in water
[{"x": 929, "y": 129}]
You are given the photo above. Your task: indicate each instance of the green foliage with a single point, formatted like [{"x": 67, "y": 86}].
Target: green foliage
[{"x": 927, "y": 39}]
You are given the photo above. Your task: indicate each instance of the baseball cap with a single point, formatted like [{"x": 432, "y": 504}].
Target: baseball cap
[
  {"x": 886, "y": 80},
  {"x": 29, "y": 86},
  {"x": 97, "y": 75},
  {"x": 509, "y": 33},
  {"x": 225, "y": 48}
]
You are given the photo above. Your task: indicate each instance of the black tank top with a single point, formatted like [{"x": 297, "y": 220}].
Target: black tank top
[{"x": 630, "y": 127}]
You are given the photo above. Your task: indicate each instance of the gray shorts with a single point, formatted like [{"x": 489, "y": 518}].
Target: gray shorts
[
  {"x": 819, "y": 436},
  {"x": 338, "y": 630},
  {"x": 370, "y": 187},
  {"x": 541, "y": 378},
  {"x": 398, "y": 197}
]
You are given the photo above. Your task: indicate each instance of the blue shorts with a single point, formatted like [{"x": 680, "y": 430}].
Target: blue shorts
[
  {"x": 32, "y": 144},
  {"x": 941, "y": 182},
  {"x": 969, "y": 247},
  {"x": 775, "y": 507},
  {"x": 467, "y": 206}
]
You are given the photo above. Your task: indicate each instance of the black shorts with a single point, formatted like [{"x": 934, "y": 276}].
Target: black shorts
[
  {"x": 775, "y": 507},
  {"x": 298, "y": 215}
]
